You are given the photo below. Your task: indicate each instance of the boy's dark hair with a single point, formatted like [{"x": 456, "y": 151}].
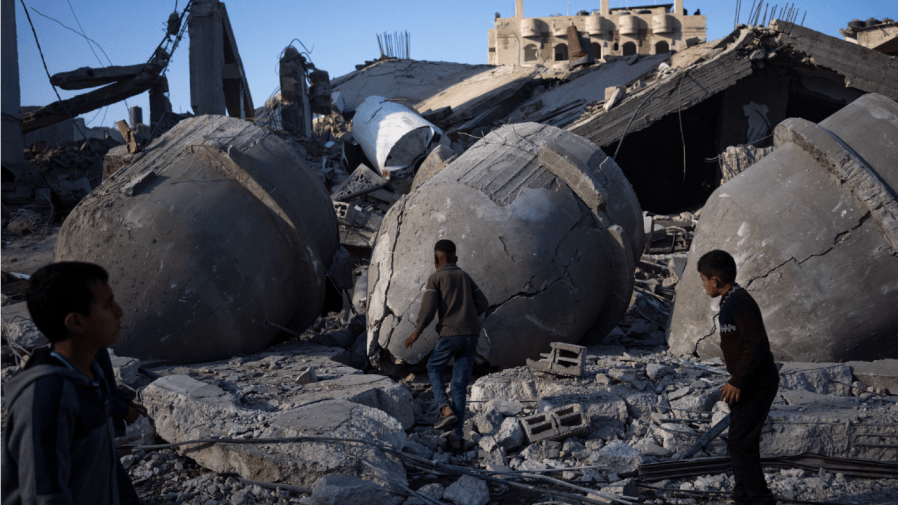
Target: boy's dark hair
[
  {"x": 718, "y": 264},
  {"x": 446, "y": 247},
  {"x": 59, "y": 289}
]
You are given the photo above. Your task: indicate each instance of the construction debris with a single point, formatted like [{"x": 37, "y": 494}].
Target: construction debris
[
  {"x": 545, "y": 222},
  {"x": 204, "y": 167},
  {"x": 827, "y": 219},
  {"x": 565, "y": 200},
  {"x": 392, "y": 136},
  {"x": 564, "y": 359}
]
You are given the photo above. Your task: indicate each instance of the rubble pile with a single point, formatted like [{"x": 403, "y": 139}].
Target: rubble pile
[
  {"x": 544, "y": 221},
  {"x": 808, "y": 224},
  {"x": 54, "y": 181}
]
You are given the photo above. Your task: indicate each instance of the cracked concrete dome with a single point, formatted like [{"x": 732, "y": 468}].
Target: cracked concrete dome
[
  {"x": 813, "y": 227},
  {"x": 545, "y": 223},
  {"x": 216, "y": 229}
]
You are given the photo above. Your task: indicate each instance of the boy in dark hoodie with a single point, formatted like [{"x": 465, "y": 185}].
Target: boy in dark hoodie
[
  {"x": 754, "y": 377},
  {"x": 452, "y": 295},
  {"x": 59, "y": 443}
]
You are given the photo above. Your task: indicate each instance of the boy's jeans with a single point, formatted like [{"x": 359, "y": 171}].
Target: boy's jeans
[{"x": 462, "y": 348}]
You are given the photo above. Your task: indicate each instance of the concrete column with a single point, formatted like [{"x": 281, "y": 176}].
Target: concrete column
[
  {"x": 296, "y": 113},
  {"x": 136, "y": 115},
  {"x": 159, "y": 103},
  {"x": 12, "y": 143},
  {"x": 204, "y": 27},
  {"x": 606, "y": 8},
  {"x": 678, "y": 7},
  {"x": 518, "y": 8}
]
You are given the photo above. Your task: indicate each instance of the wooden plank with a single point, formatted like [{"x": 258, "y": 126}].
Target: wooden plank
[
  {"x": 695, "y": 86},
  {"x": 57, "y": 112},
  {"x": 863, "y": 68}
]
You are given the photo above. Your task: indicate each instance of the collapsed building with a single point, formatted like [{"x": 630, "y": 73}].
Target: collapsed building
[
  {"x": 545, "y": 223},
  {"x": 814, "y": 228},
  {"x": 573, "y": 190}
]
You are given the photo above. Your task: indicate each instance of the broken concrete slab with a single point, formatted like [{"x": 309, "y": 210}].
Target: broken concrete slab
[
  {"x": 233, "y": 400},
  {"x": 617, "y": 457},
  {"x": 438, "y": 158},
  {"x": 184, "y": 284},
  {"x": 881, "y": 373},
  {"x": 467, "y": 491},
  {"x": 340, "y": 489},
  {"x": 822, "y": 378},
  {"x": 20, "y": 329},
  {"x": 805, "y": 223},
  {"x": 551, "y": 264}
]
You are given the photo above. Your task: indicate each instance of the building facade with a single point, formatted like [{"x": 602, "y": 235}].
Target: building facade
[
  {"x": 879, "y": 35},
  {"x": 545, "y": 41}
]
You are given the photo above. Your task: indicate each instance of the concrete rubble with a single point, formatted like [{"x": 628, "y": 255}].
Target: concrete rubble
[
  {"x": 827, "y": 218},
  {"x": 588, "y": 217},
  {"x": 190, "y": 270},
  {"x": 587, "y": 260}
]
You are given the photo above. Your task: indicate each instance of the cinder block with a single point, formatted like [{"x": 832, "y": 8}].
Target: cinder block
[
  {"x": 556, "y": 424},
  {"x": 565, "y": 359}
]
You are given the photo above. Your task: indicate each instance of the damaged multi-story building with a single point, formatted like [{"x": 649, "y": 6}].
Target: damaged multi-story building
[{"x": 555, "y": 40}]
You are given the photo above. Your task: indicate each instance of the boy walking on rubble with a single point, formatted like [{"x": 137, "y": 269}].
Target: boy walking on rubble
[
  {"x": 59, "y": 442},
  {"x": 754, "y": 377},
  {"x": 452, "y": 294}
]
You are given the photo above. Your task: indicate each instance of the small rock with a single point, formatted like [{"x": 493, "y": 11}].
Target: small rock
[
  {"x": 617, "y": 457},
  {"x": 489, "y": 421},
  {"x": 683, "y": 391},
  {"x": 349, "y": 490},
  {"x": 510, "y": 435},
  {"x": 468, "y": 491},
  {"x": 658, "y": 371}
]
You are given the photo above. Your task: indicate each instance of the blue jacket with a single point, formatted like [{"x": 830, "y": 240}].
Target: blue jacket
[{"x": 59, "y": 442}]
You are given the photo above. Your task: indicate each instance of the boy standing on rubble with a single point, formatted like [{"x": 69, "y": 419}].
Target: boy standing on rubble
[
  {"x": 451, "y": 293},
  {"x": 59, "y": 443},
  {"x": 754, "y": 377}
]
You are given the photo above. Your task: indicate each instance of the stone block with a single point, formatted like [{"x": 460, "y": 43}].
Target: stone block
[
  {"x": 877, "y": 374},
  {"x": 488, "y": 422},
  {"x": 617, "y": 457},
  {"x": 350, "y": 490},
  {"x": 822, "y": 378},
  {"x": 125, "y": 368},
  {"x": 510, "y": 435},
  {"x": 658, "y": 371},
  {"x": 467, "y": 491}
]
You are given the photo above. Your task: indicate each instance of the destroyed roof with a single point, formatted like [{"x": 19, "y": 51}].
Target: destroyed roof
[
  {"x": 702, "y": 73},
  {"x": 565, "y": 103}
]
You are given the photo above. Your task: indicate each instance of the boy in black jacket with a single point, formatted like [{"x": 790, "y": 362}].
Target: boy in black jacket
[
  {"x": 59, "y": 443},
  {"x": 754, "y": 377}
]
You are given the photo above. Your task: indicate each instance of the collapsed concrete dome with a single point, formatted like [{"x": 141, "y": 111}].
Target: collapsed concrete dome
[
  {"x": 814, "y": 230},
  {"x": 216, "y": 229},
  {"x": 545, "y": 223}
]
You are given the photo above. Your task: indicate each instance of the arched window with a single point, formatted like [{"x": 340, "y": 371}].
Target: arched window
[
  {"x": 596, "y": 50},
  {"x": 629, "y": 48},
  {"x": 561, "y": 52},
  {"x": 531, "y": 52},
  {"x": 616, "y": 47},
  {"x": 662, "y": 47}
]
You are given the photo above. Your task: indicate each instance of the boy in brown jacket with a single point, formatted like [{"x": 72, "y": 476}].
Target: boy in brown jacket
[
  {"x": 453, "y": 295},
  {"x": 754, "y": 377}
]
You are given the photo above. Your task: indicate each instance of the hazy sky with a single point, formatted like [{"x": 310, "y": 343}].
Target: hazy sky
[{"x": 340, "y": 34}]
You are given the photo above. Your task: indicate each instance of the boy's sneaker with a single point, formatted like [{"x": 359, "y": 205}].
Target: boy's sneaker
[{"x": 445, "y": 421}]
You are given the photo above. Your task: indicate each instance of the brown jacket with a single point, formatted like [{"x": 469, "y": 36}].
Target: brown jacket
[{"x": 451, "y": 293}]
